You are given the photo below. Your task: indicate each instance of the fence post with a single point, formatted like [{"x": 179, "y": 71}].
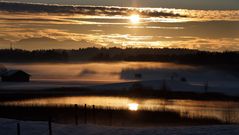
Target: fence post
[
  {"x": 50, "y": 126},
  {"x": 85, "y": 114},
  {"x": 94, "y": 120},
  {"x": 76, "y": 114},
  {"x": 18, "y": 129}
]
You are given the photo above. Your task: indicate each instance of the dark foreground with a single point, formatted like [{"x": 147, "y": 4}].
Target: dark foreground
[{"x": 9, "y": 127}]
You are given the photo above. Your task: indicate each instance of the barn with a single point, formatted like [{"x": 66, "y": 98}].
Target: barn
[{"x": 15, "y": 76}]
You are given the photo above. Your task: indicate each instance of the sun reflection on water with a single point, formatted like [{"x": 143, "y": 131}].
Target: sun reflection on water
[{"x": 133, "y": 106}]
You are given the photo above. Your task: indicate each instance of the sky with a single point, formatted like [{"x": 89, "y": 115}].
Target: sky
[
  {"x": 42, "y": 26},
  {"x": 188, "y": 4}
]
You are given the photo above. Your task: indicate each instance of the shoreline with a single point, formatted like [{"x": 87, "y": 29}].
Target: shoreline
[{"x": 147, "y": 93}]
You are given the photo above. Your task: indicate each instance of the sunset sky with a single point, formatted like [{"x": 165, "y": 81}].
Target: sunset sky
[{"x": 206, "y": 25}]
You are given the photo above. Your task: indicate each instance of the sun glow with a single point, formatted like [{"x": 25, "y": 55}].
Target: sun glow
[
  {"x": 134, "y": 19},
  {"x": 133, "y": 106}
]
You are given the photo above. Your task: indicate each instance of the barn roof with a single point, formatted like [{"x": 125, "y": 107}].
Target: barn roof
[
  {"x": 2, "y": 69},
  {"x": 12, "y": 72}
]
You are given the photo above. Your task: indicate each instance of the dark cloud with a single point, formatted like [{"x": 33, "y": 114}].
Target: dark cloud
[
  {"x": 182, "y": 4},
  {"x": 85, "y": 10},
  {"x": 31, "y": 19}
]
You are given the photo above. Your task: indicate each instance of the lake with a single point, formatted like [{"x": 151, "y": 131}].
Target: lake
[{"x": 217, "y": 109}]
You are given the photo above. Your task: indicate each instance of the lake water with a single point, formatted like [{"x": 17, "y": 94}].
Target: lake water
[{"x": 223, "y": 110}]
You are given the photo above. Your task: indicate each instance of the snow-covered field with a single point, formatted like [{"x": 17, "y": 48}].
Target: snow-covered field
[
  {"x": 229, "y": 87},
  {"x": 115, "y": 75},
  {"x": 48, "y": 83},
  {"x": 9, "y": 127}
]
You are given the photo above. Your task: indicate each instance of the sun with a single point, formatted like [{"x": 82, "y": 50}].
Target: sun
[{"x": 134, "y": 19}]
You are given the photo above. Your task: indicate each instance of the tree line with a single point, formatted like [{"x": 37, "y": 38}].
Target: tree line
[{"x": 187, "y": 56}]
